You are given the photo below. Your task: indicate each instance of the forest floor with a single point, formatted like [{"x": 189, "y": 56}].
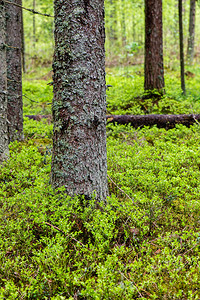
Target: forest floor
[{"x": 144, "y": 243}]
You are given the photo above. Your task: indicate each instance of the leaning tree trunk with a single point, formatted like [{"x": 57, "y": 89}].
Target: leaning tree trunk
[
  {"x": 79, "y": 108},
  {"x": 3, "y": 86},
  {"x": 182, "y": 65},
  {"x": 14, "y": 73},
  {"x": 190, "y": 49},
  {"x": 154, "y": 71}
]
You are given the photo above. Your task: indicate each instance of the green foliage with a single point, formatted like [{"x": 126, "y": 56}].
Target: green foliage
[
  {"x": 126, "y": 96},
  {"x": 37, "y": 97},
  {"x": 124, "y": 24},
  {"x": 40, "y": 51},
  {"x": 143, "y": 243},
  {"x": 38, "y": 130}
]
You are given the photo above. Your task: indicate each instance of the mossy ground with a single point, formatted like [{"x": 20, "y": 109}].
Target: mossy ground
[{"x": 144, "y": 243}]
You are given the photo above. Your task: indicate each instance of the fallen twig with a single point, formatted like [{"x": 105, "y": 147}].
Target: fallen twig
[
  {"x": 68, "y": 235},
  {"x": 123, "y": 192}
]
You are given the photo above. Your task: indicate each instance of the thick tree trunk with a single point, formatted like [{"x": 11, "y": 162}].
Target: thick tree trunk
[
  {"x": 154, "y": 71},
  {"x": 79, "y": 143},
  {"x": 190, "y": 49},
  {"x": 182, "y": 66},
  {"x": 14, "y": 73},
  {"x": 3, "y": 86},
  {"x": 162, "y": 121}
]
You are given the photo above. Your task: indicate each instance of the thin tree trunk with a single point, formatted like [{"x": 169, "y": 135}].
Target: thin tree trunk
[
  {"x": 14, "y": 72},
  {"x": 190, "y": 49},
  {"x": 79, "y": 159},
  {"x": 154, "y": 71},
  {"x": 180, "y": 9},
  {"x": 3, "y": 86},
  {"x": 23, "y": 47},
  {"x": 34, "y": 30},
  {"x": 123, "y": 23}
]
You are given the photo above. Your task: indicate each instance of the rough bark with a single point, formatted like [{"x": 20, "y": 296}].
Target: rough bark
[
  {"x": 14, "y": 73},
  {"x": 79, "y": 159},
  {"x": 154, "y": 71},
  {"x": 182, "y": 65},
  {"x": 3, "y": 86},
  {"x": 162, "y": 121},
  {"x": 190, "y": 49}
]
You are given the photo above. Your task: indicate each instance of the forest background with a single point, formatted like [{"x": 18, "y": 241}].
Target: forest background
[
  {"x": 145, "y": 243},
  {"x": 124, "y": 22}
]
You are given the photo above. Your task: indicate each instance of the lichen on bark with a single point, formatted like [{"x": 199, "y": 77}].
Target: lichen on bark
[
  {"x": 3, "y": 86},
  {"x": 79, "y": 159}
]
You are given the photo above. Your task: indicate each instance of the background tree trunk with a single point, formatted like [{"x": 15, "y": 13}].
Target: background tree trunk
[
  {"x": 3, "y": 86},
  {"x": 23, "y": 47},
  {"x": 79, "y": 159},
  {"x": 180, "y": 10},
  {"x": 14, "y": 73},
  {"x": 34, "y": 27},
  {"x": 190, "y": 49},
  {"x": 154, "y": 71}
]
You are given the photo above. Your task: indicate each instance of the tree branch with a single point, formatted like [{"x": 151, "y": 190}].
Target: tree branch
[{"x": 28, "y": 9}]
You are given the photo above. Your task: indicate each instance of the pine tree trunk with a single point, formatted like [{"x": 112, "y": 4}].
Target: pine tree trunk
[
  {"x": 79, "y": 159},
  {"x": 3, "y": 86},
  {"x": 154, "y": 71},
  {"x": 14, "y": 72},
  {"x": 190, "y": 49},
  {"x": 182, "y": 66}
]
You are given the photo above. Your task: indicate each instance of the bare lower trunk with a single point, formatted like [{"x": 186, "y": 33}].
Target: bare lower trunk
[
  {"x": 190, "y": 49},
  {"x": 79, "y": 143},
  {"x": 3, "y": 86},
  {"x": 154, "y": 71},
  {"x": 14, "y": 75}
]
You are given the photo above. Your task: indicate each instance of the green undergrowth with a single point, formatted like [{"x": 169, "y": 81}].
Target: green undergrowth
[
  {"x": 37, "y": 92},
  {"x": 143, "y": 243},
  {"x": 126, "y": 94}
]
